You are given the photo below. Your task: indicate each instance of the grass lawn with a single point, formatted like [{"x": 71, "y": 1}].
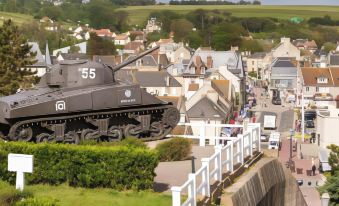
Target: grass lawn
[
  {"x": 139, "y": 14},
  {"x": 69, "y": 196},
  {"x": 16, "y": 17}
]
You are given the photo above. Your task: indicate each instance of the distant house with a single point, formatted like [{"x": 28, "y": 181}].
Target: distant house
[
  {"x": 159, "y": 83},
  {"x": 68, "y": 56},
  {"x": 321, "y": 86},
  {"x": 305, "y": 44},
  {"x": 255, "y": 62},
  {"x": 105, "y": 59},
  {"x": 152, "y": 26},
  {"x": 284, "y": 76},
  {"x": 333, "y": 60},
  {"x": 82, "y": 49},
  {"x": 133, "y": 47},
  {"x": 139, "y": 36},
  {"x": 286, "y": 49},
  {"x": 105, "y": 33},
  {"x": 146, "y": 63},
  {"x": 122, "y": 39}
]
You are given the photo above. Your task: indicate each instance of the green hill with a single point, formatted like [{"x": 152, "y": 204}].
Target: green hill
[
  {"x": 16, "y": 17},
  {"x": 139, "y": 14}
]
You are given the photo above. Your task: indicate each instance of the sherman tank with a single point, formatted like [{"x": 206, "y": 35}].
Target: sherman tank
[{"x": 81, "y": 100}]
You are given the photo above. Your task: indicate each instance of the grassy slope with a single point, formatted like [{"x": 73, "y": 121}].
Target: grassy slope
[
  {"x": 139, "y": 14},
  {"x": 68, "y": 196},
  {"x": 16, "y": 17}
]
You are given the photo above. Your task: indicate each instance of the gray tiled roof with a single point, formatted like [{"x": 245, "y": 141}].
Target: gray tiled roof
[
  {"x": 258, "y": 55},
  {"x": 334, "y": 60},
  {"x": 147, "y": 60},
  {"x": 155, "y": 79},
  {"x": 75, "y": 56},
  {"x": 39, "y": 58},
  {"x": 284, "y": 67},
  {"x": 205, "y": 108},
  {"x": 105, "y": 59}
]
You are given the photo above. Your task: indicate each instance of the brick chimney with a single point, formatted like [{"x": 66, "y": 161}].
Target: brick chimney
[
  {"x": 209, "y": 62},
  {"x": 198, "y": 61}
]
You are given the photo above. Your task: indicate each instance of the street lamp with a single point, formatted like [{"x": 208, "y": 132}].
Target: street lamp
[{"x": 292, "y": 134}]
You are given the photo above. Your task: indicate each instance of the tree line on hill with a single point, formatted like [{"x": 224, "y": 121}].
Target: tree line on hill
[{"x": 202, "y": 2}]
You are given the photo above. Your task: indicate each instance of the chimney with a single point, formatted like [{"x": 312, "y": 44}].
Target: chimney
[
  {"x": 285, "y": 40},
  {"x": 167, "y": 78},
  {"x": 209, "y": 62}
]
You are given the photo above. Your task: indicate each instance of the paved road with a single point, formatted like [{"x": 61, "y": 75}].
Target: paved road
[{"x": 286, "y": 121}]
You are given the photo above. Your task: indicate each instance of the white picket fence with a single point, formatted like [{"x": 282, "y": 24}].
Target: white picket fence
[{"x": 222, "y": 161}]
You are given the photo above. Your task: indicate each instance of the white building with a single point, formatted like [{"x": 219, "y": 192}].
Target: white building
[
  {"x": 286, "y": 49},
  {"x": 327, "y": 127}
]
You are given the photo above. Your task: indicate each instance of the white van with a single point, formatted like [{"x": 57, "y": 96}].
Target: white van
[{"x": 274, "y": 140}]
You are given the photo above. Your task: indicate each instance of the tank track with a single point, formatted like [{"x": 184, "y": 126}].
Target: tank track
[{"x": 146, "y": 123}]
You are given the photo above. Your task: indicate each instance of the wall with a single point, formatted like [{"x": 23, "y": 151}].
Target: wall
[
  {"x": 327, "y": 128},
  {"x": 268, "y": 183}
]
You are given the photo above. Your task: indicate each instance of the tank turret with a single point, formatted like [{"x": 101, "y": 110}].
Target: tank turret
[{"x": 82, "y": 100}]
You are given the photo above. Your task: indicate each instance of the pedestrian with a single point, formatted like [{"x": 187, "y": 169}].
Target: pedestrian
[{"x": 313, "y": 169}]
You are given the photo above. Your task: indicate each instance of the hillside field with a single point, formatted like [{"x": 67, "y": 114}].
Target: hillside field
[
  {"x": 16, "y": 17},
  {"x": 138, "y": 14}
]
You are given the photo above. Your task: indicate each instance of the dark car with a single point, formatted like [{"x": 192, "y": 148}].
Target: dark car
[
  {"x": 276, "y": 101},
  {"x": 310, "y": 115},
  {"x": 309, "y": 124}
]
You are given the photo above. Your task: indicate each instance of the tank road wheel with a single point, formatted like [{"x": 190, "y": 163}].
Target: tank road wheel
[
  {"x": 131, "y": 130},
  {"x": 72, "y": 138},
  {"x": 43, "y": 137},
  {"x": 171, "y": 117},
  {"x": 88, "y": 134},
  {"x": 157, "y": 130},
  {"x": 24, "y": 134},
  {"x": 114, "y": 134}
]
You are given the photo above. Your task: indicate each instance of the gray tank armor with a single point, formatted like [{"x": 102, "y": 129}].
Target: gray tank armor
[{"x": 77, "y": 100}]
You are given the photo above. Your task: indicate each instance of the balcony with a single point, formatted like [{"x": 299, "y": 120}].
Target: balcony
[{"x": 323, "y": 97}]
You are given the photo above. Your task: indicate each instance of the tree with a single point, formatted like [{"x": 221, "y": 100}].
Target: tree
[
  {"x": 329, "y": 46},
  {"x": 332, "y": 184},
  {"x": 194, "y": 40},
  {"x": 251, "y": 45},
  {"x": 14, "y": 55},
  {"x": 100, "y": 46},
  {"x": 181, "y": 28}
]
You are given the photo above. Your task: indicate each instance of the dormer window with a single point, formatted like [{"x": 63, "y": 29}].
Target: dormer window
[
  {"x": 203, "y": 70},
  {"x": 322, "y": 80}
]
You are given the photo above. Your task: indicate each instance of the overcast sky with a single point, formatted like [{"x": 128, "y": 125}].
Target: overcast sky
[{"x": 292, "y": 2}]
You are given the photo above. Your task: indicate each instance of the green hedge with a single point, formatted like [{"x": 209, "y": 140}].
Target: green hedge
[
  {"x": 175, "y": 149},
  {"x": 117, "y": 167}
]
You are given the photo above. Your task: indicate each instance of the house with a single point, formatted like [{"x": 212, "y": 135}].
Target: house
[
  {"x": 146, "y": 63},
  {"x": 180, "y": 54},
  {"x": 305, "y": 44},
  {"x": 159, "y": 83},
  {"x": 209, "y": 105},
  {"x": 133, "y": 47},
  {"x": 41, "y": 61},
  {"x": 68, "y": 56},
  {"x": 122, "y": 39},
  {"x": 333, "y": 60},
  {"x": 152, "y": 26},
  {"x": 105, "y": 33},
  {"x": 284, "y": 76},
  {"x": 286, "y": 49},
  {"x": 105, "y": 59},
  {"x": 321, "y": 86},
  {"x": 139, "y": 36},
  {"x": 82, "y": 49},
  {"x": 255, "y": 62},
  {"x": 327, "y": 131}
]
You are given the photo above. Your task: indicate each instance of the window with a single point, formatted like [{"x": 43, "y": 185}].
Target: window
[
  {"x": 317, "y": 89},
  {"x": 252, "y": 62},
  {"x": 202, "y": 70},
  {"x": 322, "y": 80},
  {"x": 307, "y": 89}
]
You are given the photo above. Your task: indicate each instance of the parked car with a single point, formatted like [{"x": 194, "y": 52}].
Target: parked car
[
  {"x": 276, "y": 101},
  {"x": 310, "y": 115},
  {"x": 264, "y": 137},
  {"x": 309, "y": 124}
]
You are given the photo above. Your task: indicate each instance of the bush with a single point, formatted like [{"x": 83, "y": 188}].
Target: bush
[
  {"x": 176, "y": 149},
  {"x": 118, "y": 167},
  {"x": 130, "y": 142}
]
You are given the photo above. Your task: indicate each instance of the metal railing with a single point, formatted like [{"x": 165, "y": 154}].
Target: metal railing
[{"x": 222, "y": 161}]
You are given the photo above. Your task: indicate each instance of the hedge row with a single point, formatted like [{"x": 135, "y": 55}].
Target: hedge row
[{"x": 117, "y": 167}]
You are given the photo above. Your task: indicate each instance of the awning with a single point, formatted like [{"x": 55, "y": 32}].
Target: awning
[
  {"x": 323, "y": 159},
  {"x": 325, "y": 166}
]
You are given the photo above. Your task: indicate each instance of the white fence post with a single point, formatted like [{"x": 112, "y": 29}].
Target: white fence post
[
  {"x": 251, "y": 142},
  {"x": 206, "y": 163},
  {"x": 218, "y": 163},
  {"x": 231, "y": 156},
  {"x": 242, "y": 149},
  {"x": 259, "y": 138},
  {"x": 202, "y": 140},
  {"x": 176, "y": 196},
  {"x": 192, "y": 190}
]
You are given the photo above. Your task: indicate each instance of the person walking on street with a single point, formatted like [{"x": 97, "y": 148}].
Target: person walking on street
[{"x": 313, "y": 169}]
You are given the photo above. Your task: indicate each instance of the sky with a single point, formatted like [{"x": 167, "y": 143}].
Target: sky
[{"x": 292, "y": 2}]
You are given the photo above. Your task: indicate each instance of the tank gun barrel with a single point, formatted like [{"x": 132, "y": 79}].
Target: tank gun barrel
[{"x": 123, "y": 64}]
